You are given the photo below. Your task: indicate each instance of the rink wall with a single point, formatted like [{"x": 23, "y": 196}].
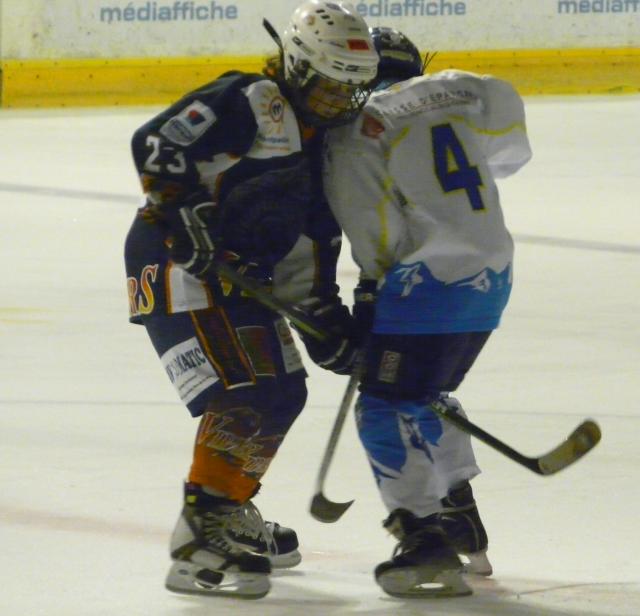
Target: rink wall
[{"x": 117, "y": 52}]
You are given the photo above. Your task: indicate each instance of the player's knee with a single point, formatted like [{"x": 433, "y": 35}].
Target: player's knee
[
  {"x": 277, "y": 402},
  {"x": 241, "y": 431},
  {"x": 290, "y": 400}
]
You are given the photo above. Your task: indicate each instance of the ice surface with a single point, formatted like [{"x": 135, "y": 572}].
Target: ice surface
[{"x": 94, "y": 444}]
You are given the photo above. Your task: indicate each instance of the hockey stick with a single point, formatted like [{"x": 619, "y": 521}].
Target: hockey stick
[
  {"x": 582, "y": 440},
  {"x": 203, "y": 255},
  {"x": 323, "y": 509},
  {"x": 261, "y": 294}
]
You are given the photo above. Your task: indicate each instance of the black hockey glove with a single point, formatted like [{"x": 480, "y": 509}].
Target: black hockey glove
[
  {"x": 339, "y": 351},
  {"x": 191, "y": 228},
  {"x": 364, "y": 307}
]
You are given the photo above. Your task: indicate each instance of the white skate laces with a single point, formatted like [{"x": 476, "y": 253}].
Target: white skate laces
[{"x": 247, "y": 521}]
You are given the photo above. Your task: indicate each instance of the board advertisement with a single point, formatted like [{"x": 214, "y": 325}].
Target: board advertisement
[{"x": 46, "y": 29}]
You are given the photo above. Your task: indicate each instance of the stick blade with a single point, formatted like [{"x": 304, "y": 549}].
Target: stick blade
[
  {"x": 580, "y": 442},
  {"x": 324, "y": 510}
]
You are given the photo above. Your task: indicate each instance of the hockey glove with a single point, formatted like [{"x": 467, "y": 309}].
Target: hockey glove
[
  {"x": 339, "y": 351},
  {"x": 364, "y": 307},
  {"x": 191, "y": 228}
]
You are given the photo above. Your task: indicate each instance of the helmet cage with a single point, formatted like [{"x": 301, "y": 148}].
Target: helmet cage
[{"x": 322, "y": 101}]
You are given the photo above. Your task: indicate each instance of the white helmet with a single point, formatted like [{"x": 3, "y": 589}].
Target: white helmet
[{"x": 328, "y": 43}]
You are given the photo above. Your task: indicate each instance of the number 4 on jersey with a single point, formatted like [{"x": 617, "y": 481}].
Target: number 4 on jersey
[{"x": 452, "y": 165}]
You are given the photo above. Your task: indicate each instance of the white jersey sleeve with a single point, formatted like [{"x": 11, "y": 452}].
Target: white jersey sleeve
[
  {"x": 294, "y": 276},
  {"x": 504, "y": 131}
]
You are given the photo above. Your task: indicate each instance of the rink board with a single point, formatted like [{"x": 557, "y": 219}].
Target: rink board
[{"x": 144, "y": 81}]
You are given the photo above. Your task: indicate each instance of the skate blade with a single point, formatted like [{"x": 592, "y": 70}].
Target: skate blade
[
  {"x": 194, "y": 579},
  {"x": 285, "y": 561},
  {"x": 421, "y": 583},
  {"x": 477, "y": 564}
]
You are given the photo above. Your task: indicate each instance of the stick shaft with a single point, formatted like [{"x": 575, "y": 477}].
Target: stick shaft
[
  {"x": 465, "y": 425},
  {"x": 266, "y": 298},
  {"x": 338, "y": 423}
]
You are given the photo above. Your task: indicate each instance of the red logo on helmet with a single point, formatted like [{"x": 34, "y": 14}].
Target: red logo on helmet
[
  {"x": 358, "y": 45},
  {"x": 195, "y": 117}
]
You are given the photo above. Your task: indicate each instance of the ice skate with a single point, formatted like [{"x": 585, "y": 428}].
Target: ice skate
[
  {"x": 424, "y": 563},
  {"x": 461, "y": 521},
  {"x": 206, "y": 560},
  {"x": 249, "y": 531}
]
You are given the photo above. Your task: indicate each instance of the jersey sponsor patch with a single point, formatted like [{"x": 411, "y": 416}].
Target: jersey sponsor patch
[
  {"x": 278, "y": 132},
  {"x": 188, "y": 369},
  {"x": 276, "y": 108},
  {"x": 189, "y": 125}
]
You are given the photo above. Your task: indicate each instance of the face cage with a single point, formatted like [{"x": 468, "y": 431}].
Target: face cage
[{"x": 323, "y": 102}]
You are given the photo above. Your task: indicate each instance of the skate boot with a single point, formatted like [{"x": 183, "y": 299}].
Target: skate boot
[
  {"x": 249, "y": 531},
  {"x": 424, "y": 563},
  {"x": 461, "y": 521},
  {"x": 206, "y": 560}
]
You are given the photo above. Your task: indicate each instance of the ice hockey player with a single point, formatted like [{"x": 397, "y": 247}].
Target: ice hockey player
[
  {"x": 231, "y": 173},
  {"x": 412, "y": 183}
]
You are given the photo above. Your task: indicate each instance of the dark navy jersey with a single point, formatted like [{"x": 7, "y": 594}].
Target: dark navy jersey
[
  {"x": 228, "y": 130},
  {"x": 239, "y": 127}
]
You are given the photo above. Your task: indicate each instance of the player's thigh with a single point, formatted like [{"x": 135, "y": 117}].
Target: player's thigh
[{"x": 209, "y": 354}]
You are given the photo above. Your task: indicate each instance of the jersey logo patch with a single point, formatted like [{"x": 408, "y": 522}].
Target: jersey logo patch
[
  {"x": 189, "y": 125},
  {"x": 276, "y": 109},
  {"x": 410, "y": 277},
  {"x": 389, "y": 366},
  {"x": 371, "y": 127}
]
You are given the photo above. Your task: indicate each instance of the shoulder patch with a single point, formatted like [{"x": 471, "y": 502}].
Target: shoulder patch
[
  {"x": 189, "y": 125},
  {"x": 371, "y": 127},
  {"x": 278, "y": 131}
]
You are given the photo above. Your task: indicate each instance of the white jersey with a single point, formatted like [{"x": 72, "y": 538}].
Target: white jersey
[{"x": 412, "y": 181}]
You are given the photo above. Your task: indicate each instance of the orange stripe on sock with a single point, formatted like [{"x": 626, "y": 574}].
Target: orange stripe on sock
[{"x": 212, "y": 470}]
